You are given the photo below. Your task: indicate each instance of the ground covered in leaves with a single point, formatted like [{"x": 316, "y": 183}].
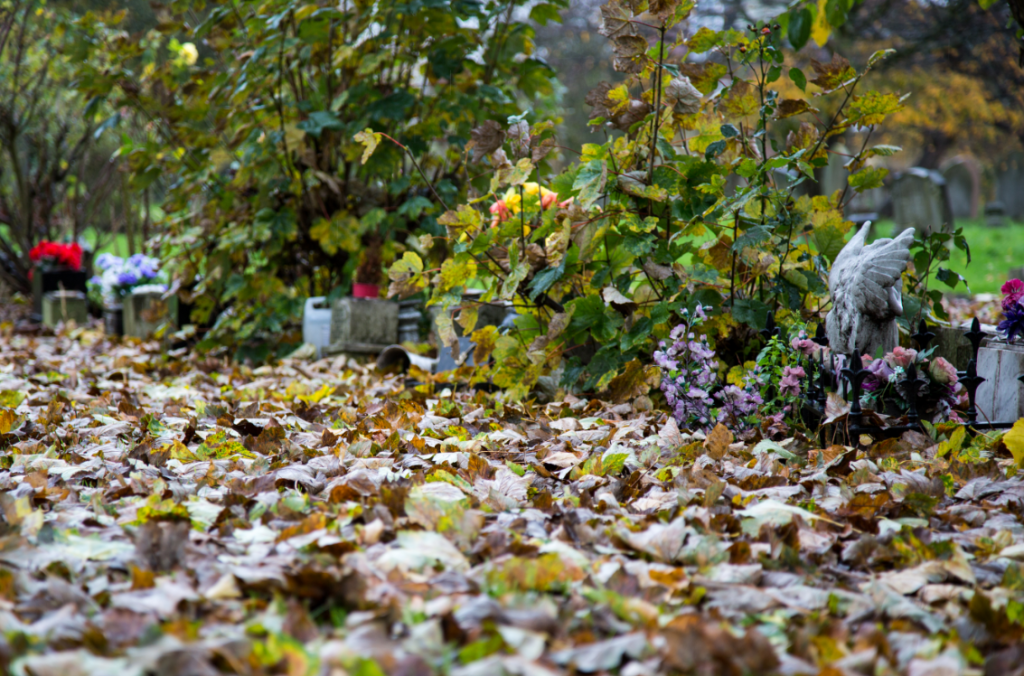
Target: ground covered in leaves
[{"x": 173, "y": 515}]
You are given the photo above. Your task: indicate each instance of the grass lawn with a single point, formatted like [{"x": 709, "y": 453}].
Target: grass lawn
[{"x": 994, "y": 251}]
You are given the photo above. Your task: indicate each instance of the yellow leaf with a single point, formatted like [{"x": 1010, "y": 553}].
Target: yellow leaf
[
  {"x": 820, "y": 30},
  {"x": 1014, "y": 440},
  {"x": 369, "y": 139},
  {"x": 7, "y": 420},
  {"x": 317, "y": 396}
]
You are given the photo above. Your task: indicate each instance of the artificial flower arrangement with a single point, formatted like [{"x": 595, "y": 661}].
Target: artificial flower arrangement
[
  {"x": 1013, "y": 310},
  {"x": 512, "y": 203},
  {"x": 120, "y": 276},
  {"x": 885, "y": 390},
  {"x": 55, "y": 255}
]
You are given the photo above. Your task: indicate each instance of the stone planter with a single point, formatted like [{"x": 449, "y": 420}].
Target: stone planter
[
  {"x": 113, "y": 320},
  {"x": 45, "y": 280},
  {"x": 362, "y": 325},
  {"x": 65, "y": 306},
  {"x": 144, "y": 312},
  {"x": 1001, "y": 396}
]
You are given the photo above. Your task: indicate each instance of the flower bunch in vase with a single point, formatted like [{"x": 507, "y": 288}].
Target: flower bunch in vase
[
  {"x": 1012, "y": 325},
  {"x": 53, "y": 255},
  {"x": 119, "y": 277}
]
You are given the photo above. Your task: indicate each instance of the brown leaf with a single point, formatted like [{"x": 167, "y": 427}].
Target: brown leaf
[
  {"x": 832, "y": 74},
  {"x": 487, "y": 138},
  {"x": 635, "y": 380},
  {"x": 718, "y": 441},
  {"x": 791, "y": 107}
]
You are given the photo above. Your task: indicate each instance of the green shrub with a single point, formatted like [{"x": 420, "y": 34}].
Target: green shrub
[
  {"x": 252, "y": 109},
  {"x": 653, "y": 226}
]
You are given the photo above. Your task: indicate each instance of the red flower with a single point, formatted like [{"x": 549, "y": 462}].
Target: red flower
[
  {"x": 1013, "y": 291},
  {"x": 67, "y": 255}
]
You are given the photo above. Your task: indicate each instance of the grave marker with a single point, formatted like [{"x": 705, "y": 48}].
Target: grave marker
[{"x": 920, "y": 201}]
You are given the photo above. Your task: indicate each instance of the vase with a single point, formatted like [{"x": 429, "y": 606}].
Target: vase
[
  {"x": 47, "y": 279},
  {"x": 113, "y": 320},
  {"x": 365, "y": 290}
]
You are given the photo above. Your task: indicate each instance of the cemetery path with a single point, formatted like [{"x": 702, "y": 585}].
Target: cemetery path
[{"x": 180, "y": 515}]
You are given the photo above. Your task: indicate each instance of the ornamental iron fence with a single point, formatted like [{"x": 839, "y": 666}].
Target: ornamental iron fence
[{"x": 847, "y": 375}]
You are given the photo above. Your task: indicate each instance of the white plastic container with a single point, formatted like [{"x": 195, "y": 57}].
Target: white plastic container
[{"x": 316, "y": 324}]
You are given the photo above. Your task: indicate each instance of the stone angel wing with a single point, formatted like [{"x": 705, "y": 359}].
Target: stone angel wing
[{"x": 875, "y": 273}]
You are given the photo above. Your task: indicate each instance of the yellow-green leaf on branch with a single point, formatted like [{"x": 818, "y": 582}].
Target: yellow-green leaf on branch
[
  {"x": 457, "y": 271},
  {"x": 370, "y": 139},
  {"x": 406, "y": 276}
]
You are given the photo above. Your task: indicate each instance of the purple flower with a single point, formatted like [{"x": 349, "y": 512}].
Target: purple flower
[
  {"x": 1013, "y": 322},
  {"x": 880, "y": 371},
  {"x": 127, "y": 278}
]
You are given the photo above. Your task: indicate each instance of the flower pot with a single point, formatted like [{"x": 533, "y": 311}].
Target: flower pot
[
  {"x": 113, "y": 320},
  {"x": 365, "y": 290},
  {"x": 47, "y": 279}
]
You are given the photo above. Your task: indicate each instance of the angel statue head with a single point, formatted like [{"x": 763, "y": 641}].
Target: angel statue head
[{"x": 866, "y": 288}]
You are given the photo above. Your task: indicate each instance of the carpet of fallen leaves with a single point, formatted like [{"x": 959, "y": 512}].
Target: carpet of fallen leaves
[{"x": 174, "y": 515}]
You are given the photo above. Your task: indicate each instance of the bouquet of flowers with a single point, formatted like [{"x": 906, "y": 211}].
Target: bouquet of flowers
[
  {"x": 1013, "y": 310},
  {"x": 52, "y": 255},
  {"x": 120, "y": 276}
]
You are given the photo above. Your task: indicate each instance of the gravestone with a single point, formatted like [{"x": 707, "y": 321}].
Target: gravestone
[
  {"x": 921, "y": 201},
  {"x": 833, "y": 176},
  {"x": 362, "y": 325},
  {"x": 144, "y": 311},
  {"x": 787, "y": 179},
  {"x": 963, "y": 180},
  {"x": 1000, "y": 397},
  {"x": 45, "y": 280},
  {"x": 1010, "y": 186},
  {"x": 995, "y": 215},
  {"x": 65, "y": 306}
]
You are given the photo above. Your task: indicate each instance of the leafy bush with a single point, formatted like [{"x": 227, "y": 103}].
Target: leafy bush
[
  {"x": 252, "y": 112},
  {"x": 684, "y": 204}
]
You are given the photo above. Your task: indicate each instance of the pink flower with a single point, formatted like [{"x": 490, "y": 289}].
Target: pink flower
[
  {"x": 500, "y": 211},
  {"x": 789, "y": 386},
  {"x": 566, "y": 203},
  {"x": 547, "y": 198},
  {"x": 1013, "y": 291},
  {"x": 901, "y": 356},
  {"x": 942, "y": 371},
  {"x": 809, "y": 348}
]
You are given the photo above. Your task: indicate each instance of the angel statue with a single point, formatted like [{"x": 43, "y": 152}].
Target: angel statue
[{"x": 866, "y": 293}]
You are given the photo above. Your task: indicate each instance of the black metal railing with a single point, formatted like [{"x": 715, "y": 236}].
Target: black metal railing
[{"x": 847, "y": 378}]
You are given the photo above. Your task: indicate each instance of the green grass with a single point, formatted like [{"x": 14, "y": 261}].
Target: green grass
[{"x": 994, "y": 252}]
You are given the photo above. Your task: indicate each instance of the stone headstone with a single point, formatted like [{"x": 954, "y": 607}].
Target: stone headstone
[
  {"x": 1000, "y": 397},
  {"x": 144, "y": 312},
  {"x": 787, "y": 179},
  {"x": 362, "y": 325},
  {"x": 963, "y": 181},
  {"x": 833, "y": 176},
  {"x": 995, "y": 215},
  {"x": 488, "y": 314},
  {"x": 45, "y": 280},
  {"x": 921, "y": 201},
  {"x": 1010, "y": 186},
  {"x": 65, "y": 306}
]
